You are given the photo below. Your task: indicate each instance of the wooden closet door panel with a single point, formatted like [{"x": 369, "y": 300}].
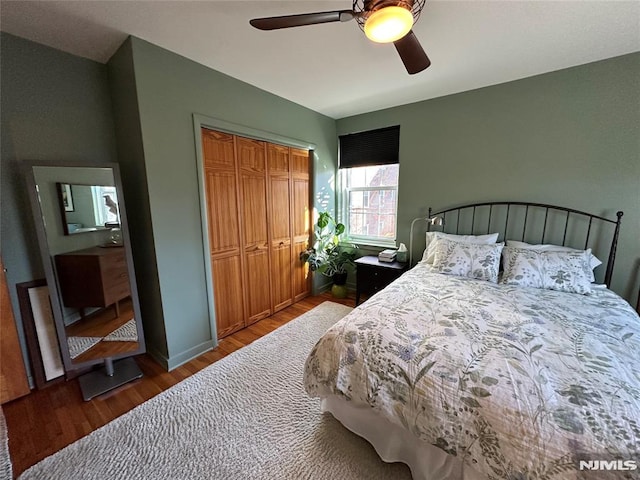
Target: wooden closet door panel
[
  {"x": 281, "y": 276},
  {"x": 300, "y": 221},
  {"x": 299, "y": 162},
  {"x": 280, "y": 216},
  {"x": 281, "y": 248},
  {"x": 223, "y": 211},
  {"x": 257, "y": 277},
  {"x": 217, "y": 149},
  {"x": 13, "y": 374},
  {"x": 278, "y": 159},
  {"x": 227, "y": 292},
  {"x": 254, "y": 206},
  {"x": 301, "y": 273},
  {"x": 301, "y": 216},
  {"x": 251, "y": 155},
  {"x": 301, "y": 231}
]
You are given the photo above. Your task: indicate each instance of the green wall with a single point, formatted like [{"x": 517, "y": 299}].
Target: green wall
[
  {"x": 122, "y": 81},
  {"x": 169, "y": 89},
  {"x": 569, "y": 138},
  {"x": 55, "y": 107}
]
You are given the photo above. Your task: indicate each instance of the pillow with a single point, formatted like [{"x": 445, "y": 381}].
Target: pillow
[
  {"x": 473, "y": 260},
  {"x": 593, "y": 260},
  {"x": 548, "y": 269},
  {"x": 433, "y": 237}
]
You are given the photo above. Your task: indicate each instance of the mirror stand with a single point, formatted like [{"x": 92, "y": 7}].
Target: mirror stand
[{"x": 111, "y": 375}]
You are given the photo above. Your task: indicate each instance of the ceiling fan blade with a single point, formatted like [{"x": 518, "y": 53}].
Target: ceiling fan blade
[
  {"x": 274, "y": 23},
  {"x": 411, "y": 53}
]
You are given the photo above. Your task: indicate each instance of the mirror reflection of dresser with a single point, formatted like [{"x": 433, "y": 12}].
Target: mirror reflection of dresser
[
  {"x": 93, "y": 277},
  {"x": 83, "y": 235}
]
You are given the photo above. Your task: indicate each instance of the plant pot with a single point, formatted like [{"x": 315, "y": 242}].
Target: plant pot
[
  {"x": 339, "y": 288},
  {"x": 339, "y": 279}
]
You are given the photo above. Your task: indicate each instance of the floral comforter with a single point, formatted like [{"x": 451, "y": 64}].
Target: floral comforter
[{"x": 517, "y": 382}]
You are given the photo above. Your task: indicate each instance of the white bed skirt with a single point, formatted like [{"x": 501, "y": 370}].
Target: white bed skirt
[{"x": 395, "y": 444}]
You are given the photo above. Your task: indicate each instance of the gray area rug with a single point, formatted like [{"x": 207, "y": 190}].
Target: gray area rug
[
  {"x": 6, "y": 471},
  {"x": 78, "y": 345},
  {"x": 244, "y": 417},
  {"x": 126, "y": 333}
]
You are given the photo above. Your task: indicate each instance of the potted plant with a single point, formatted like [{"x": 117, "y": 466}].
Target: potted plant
[{"x": 328, "y": 256}]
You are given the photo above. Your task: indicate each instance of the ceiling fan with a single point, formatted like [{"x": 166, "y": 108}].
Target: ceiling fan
[{"x": 383, "y": 21}]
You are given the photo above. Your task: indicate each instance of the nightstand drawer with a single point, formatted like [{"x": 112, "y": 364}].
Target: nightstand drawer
[
  {"x": 372, "y": 275},
  {"x": 374, "y": 279}
]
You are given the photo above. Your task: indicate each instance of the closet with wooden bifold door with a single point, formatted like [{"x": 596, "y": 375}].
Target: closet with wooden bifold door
[{"x": 257, "y": 196}]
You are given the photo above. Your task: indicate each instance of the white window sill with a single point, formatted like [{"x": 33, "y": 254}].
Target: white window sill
[{"x": 365, "y": 242}]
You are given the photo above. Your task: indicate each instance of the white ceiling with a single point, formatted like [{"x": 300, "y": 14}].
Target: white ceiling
[{"x": 333, "y": 68}]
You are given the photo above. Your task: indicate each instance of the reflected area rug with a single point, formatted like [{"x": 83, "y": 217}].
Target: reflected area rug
[
  {"x": 79, "y": 345},
  {"x": 6, "y": 471},
  {"x": 126, "y": 333},
  {"x": 244, "y": 417}
]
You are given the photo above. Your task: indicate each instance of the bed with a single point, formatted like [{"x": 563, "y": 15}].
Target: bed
[{"x": 467, "y": 377}]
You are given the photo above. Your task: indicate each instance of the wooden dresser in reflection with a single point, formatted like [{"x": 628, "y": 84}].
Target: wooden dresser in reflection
[{"x": 93, "y": 277}]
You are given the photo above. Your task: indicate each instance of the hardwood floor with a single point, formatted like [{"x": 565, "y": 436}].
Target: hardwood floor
[{"x": 47, "y": 420}]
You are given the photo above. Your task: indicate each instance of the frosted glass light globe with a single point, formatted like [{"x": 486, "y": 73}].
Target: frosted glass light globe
[{"x": 388, "y": 24}]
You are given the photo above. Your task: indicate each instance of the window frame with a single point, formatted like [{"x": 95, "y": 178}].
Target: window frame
[
  {"x": 343, "y": 209},
  {"x": 97, "y": 192}
]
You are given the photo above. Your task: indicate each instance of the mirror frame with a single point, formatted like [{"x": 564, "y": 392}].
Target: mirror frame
[{"x": 50, "y": 274}]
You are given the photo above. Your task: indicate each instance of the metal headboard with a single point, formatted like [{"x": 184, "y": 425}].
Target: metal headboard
[{"x": 505, "y": 212}]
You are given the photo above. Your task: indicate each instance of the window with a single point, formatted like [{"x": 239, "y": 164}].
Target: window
[
  {"x": 369, "y": 203},
  {"x": 368, "y": 179},
  {"x": 105, "y": 204}
]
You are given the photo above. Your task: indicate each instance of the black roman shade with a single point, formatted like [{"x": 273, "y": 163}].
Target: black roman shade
[{"x": 373, "y": 147}]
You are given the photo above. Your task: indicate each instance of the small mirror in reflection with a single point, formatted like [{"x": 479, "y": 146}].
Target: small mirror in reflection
[{"x": 88, "y": 208}]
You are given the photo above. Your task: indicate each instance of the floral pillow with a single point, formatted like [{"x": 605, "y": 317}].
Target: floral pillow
[
  {"x": 432, "y": 239},
  {"x": 554, "y": 270},
  {"x": 474, "y": 260},
  {"x": 593, "y": 260}
]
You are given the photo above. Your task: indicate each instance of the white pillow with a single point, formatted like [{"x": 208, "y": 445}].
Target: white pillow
[
  {"x": 433, "y": 237},
  {"x": 593, "y": 260},
  {"x": 566, "y": 271},
  {"x": 473, "y": 260}
]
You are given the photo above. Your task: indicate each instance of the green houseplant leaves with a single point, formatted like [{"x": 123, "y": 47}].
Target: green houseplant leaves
[{"x": 329, "y": 256}]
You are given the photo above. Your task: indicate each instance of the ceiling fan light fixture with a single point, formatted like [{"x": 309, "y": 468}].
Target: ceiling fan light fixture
[{"x": 388, "y": 24}]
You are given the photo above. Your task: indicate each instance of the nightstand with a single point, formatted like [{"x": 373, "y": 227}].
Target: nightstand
[{"x": 373, "y": 275}]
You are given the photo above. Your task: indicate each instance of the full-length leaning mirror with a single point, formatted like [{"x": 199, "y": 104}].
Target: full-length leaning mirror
[{"x": 83, "y": 235}]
